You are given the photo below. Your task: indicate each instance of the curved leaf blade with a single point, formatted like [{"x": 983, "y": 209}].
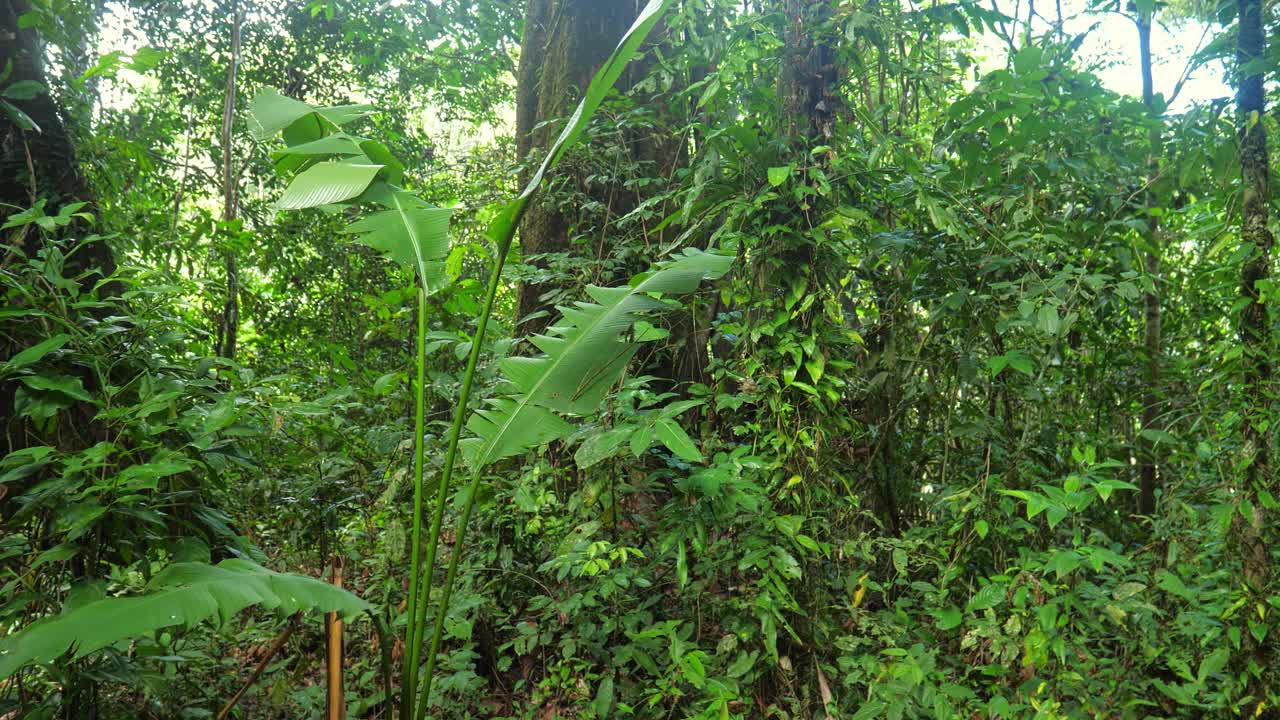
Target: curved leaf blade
[
  {"x": 327, "y": 183},
  {"x": 183, "y": 594}
]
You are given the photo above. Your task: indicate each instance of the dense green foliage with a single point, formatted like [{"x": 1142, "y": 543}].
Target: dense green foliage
[{"x": 884, "y": 362}]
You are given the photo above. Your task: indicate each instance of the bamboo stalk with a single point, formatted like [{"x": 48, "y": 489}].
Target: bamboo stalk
[{"x": 337, "y": 707}]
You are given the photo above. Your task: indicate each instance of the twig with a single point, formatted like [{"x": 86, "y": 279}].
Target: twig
[{"x": 279, "y": 642}]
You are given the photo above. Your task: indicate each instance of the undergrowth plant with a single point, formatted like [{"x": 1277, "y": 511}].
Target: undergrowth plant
[{"x": 584, "y": 354}]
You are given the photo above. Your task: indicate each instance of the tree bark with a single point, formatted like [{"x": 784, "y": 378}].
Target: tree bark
[
  {"x": 39, "y": 163},
  {"x": 565, "y": 42},
  {"x": 1249, "y": 532},
  {"x": 229, "y": 321},
  {"x": 808, "y": 80}
]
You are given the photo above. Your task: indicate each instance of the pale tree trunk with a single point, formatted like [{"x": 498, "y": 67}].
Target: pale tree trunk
[{"x": 1148, "y": 466}]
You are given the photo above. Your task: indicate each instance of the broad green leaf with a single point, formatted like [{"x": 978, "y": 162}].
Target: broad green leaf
[
  {"x": 604, "y": 697},
  {"x": 678, "y": 441},
  {"x": 182, "y": 594},
  {"x": 779, "y": 175},
  {"x": 326, "y": 183},
  {"x": 602, "y": 446},
  {"x": 411, "y": 233},
  {"x": 61, "y": 384},
  {"x": 271, "y": 112},
  {"x": 36, "y": 352},
  {"x": 949, "y": 618}
]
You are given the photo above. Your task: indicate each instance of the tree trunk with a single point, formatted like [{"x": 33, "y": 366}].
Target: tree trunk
[
  {"x": 565, "y": 42},
  {"x": 37, "y": 159},
  {"x": 1148, "y": 466},
  {"x": 229, "y": 321},
  {"x": 1250, "y": 540},
  {"x": 808, "y": 80}
]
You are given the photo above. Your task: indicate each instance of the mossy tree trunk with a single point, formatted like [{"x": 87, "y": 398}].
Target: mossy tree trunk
[
  {"x": 1250, "y": 528},
  {"x": 565, "y": 42},
  {"x": 37, "y": 157}
]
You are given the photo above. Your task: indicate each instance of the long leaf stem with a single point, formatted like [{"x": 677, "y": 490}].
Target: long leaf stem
[
  {"x": 450, "y": 459},
  {"x": 413, "y": 632}
]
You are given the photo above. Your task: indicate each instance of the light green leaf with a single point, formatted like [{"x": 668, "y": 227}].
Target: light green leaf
[
  {"x": 678, "y": 441},
  {"x": 779, "y": 175},
  {"x": 182, "y": 594},
  {"x": 949, "y": 618},
  {"x": 326, "y": 183},
  {"x": 584, "y": 354},
  {"x": 270, "y": 112},
  {"x": 411, "y": 233}
]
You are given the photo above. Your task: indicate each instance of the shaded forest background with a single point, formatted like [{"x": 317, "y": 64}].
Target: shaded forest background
[{"x": 968, "y": 409}]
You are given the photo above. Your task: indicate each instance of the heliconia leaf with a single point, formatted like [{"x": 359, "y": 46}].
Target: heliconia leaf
[
  {"x": 411, "y": 233},
  {"x": 271, "y": 112},
  {"x": 183, "y": 594},
  {"x": 336, "y": 144},
  {"x": 584, "y": 353},
  {"x": 326, "y": 183}
]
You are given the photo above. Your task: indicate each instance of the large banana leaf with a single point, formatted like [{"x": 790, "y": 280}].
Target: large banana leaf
[
  {"x": 328, "y": 166},
  {"x": 183, "y": 594},
  {"x": 411, "y": 233},
  {"x": 584, "y": 354}
]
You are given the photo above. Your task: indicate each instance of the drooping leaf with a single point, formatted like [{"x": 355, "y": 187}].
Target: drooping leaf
[
  {"x": 412, "y": 233},
  {"x": 183, "y": 594}
]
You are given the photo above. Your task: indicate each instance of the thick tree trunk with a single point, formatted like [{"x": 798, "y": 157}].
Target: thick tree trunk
[
  {"x": 565, "y": 42},
  {"x": 1148, "y": 466},
  {"x": 38, "y": 162},
  {"x": 1249, "y": 532},
  {"x": 808, "y": 80}
]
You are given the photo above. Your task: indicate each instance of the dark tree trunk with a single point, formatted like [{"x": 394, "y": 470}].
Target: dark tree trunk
[
  {"x": 565, "y": 42},
  {"x": 808, "y": 80},
  {"x": 1249, "y": 532},
  {"x": 38, "y": 163},
  {"x": 229, "y": 320}
]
